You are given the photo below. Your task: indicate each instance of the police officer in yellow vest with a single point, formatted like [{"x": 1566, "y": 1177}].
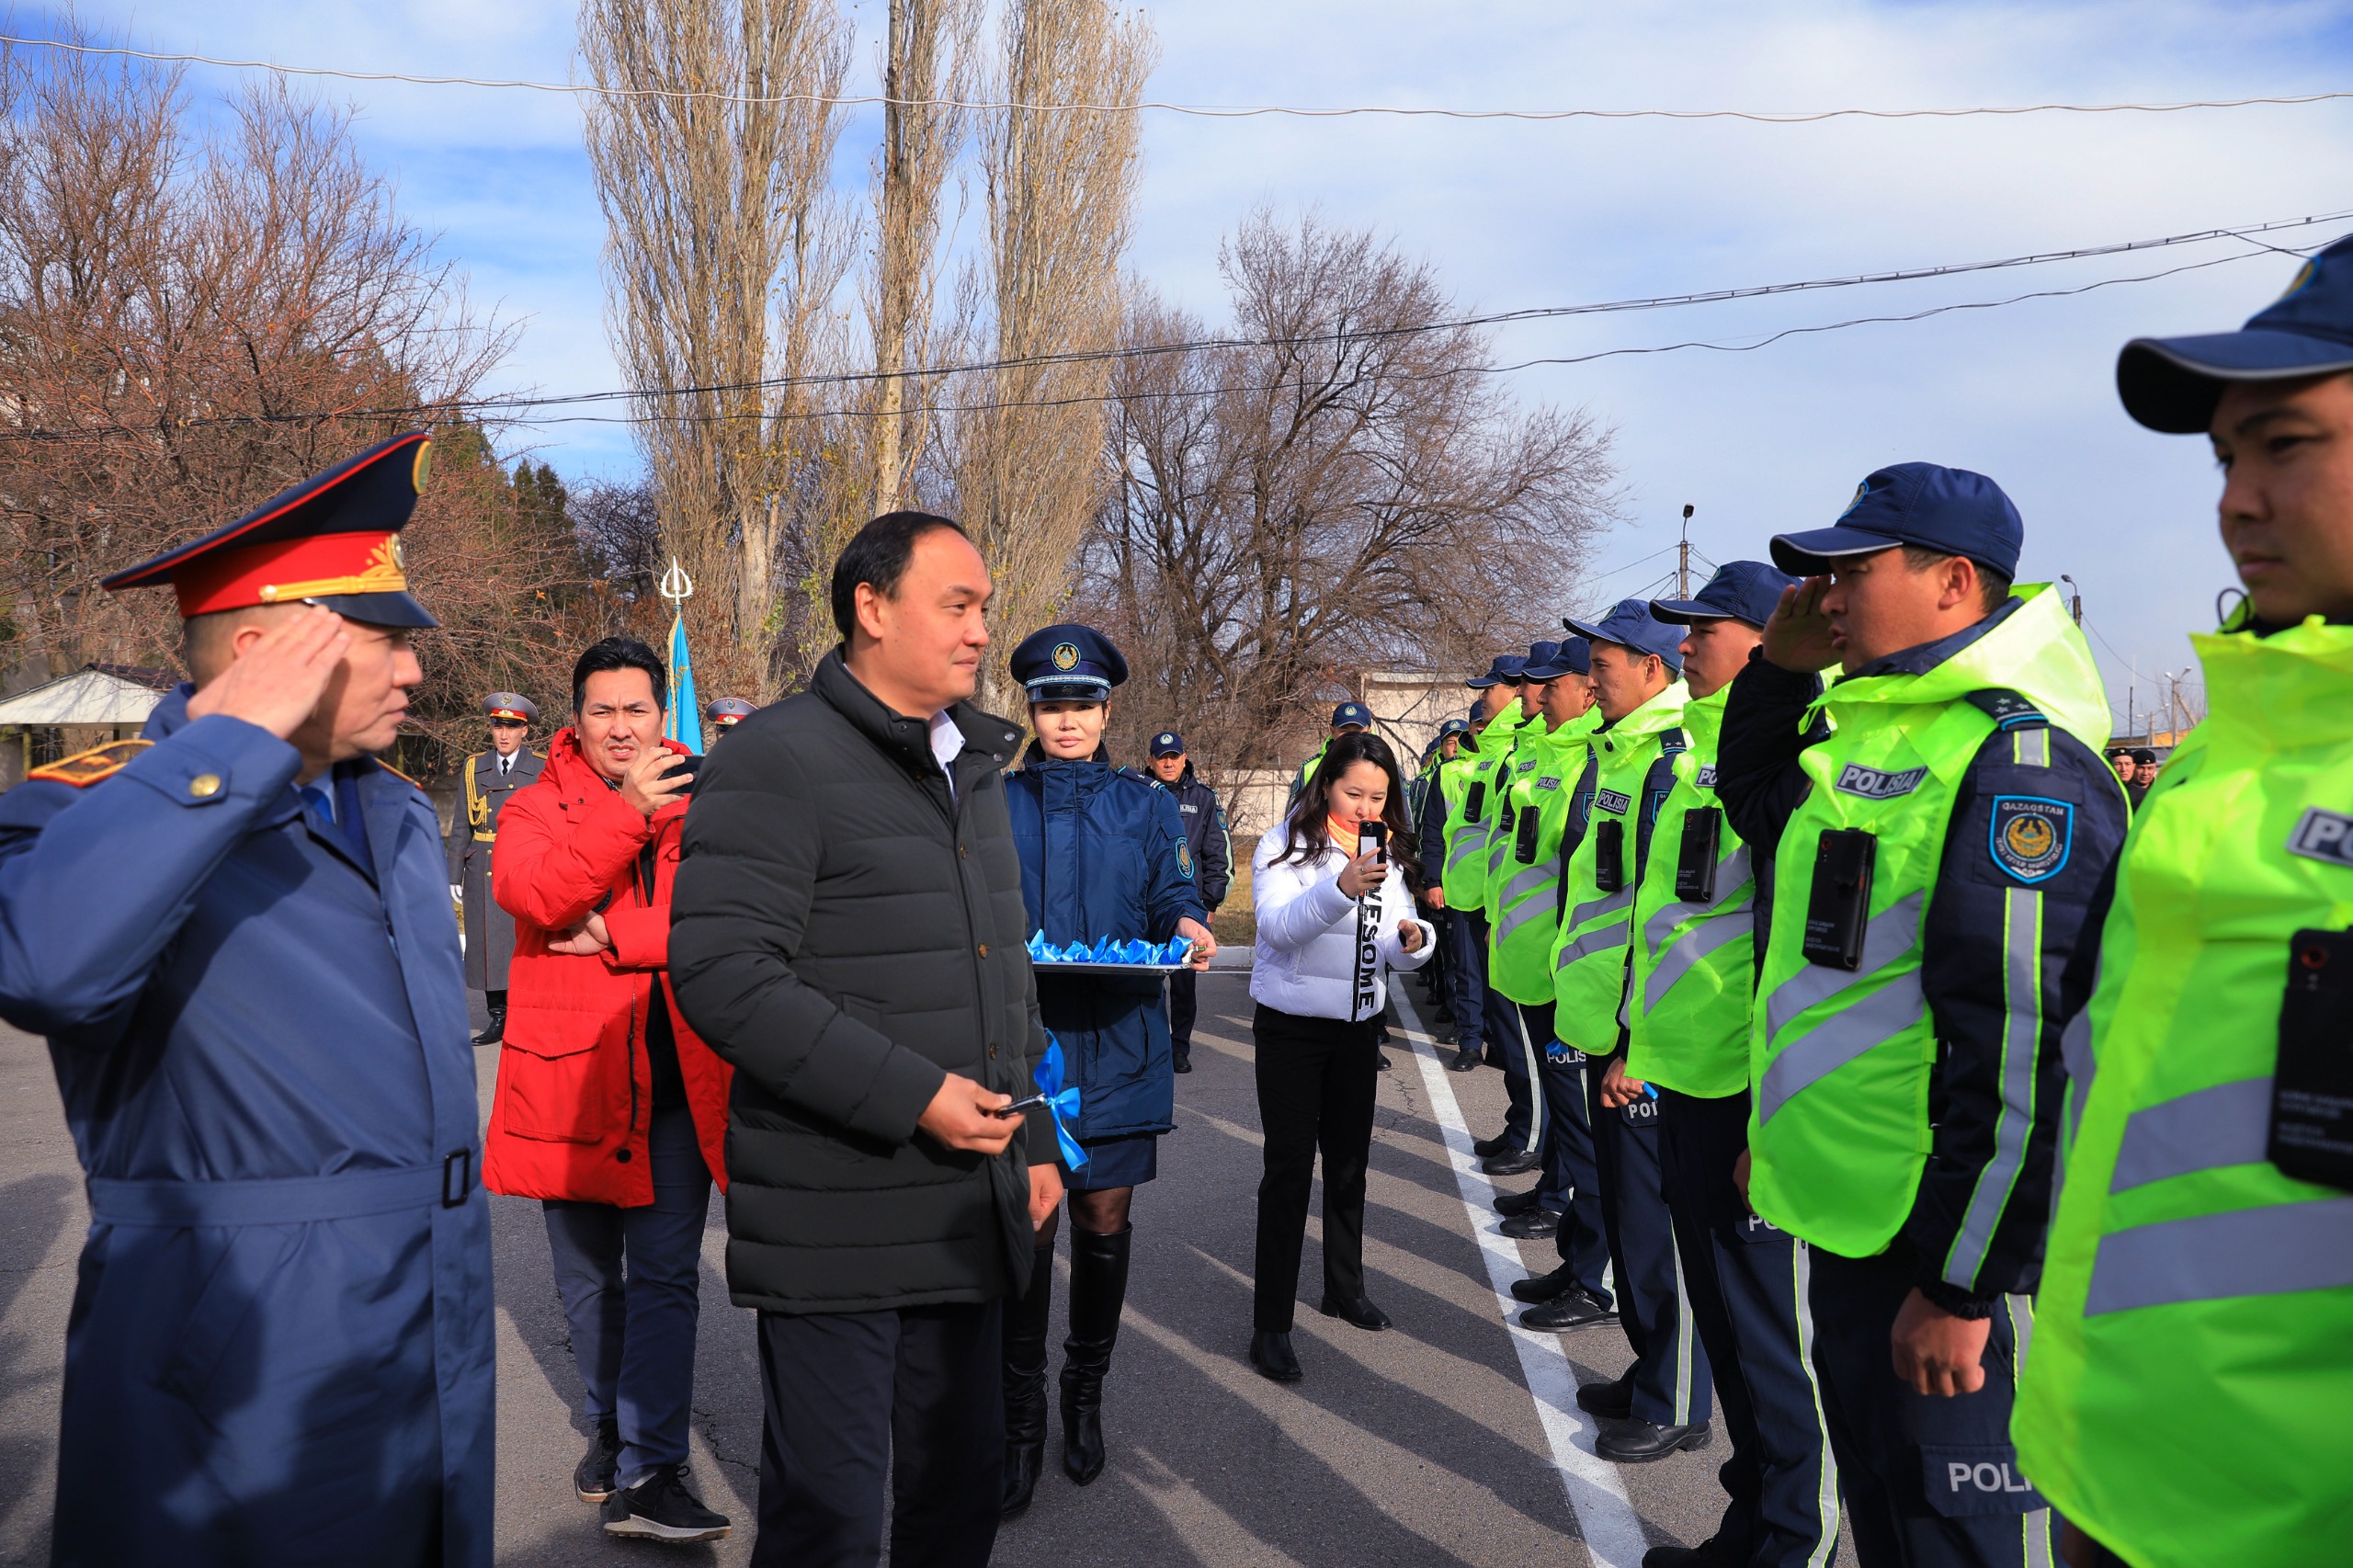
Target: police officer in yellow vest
[
  {"x": 1942, "y": 856},
  {"x": 2190, "y": 1398},
  {"x": 1469, "y": 846},
  {"x": 489, "y": 777},
  {"x": 1693, "y": 976}
]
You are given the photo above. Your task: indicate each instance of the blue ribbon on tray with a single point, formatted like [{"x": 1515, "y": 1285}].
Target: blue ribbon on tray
[
  {"x": 1111, "y": 949},
  {"x": 1061, "y": 1104}
]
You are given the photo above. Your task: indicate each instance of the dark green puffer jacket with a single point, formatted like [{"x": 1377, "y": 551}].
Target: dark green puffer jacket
[{"x": 845, "y": 933}]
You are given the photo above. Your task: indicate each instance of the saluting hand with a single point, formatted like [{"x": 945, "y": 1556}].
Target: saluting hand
[
  {"x": 277, "y": 681},
  {"x": 1797, "y": 634}
]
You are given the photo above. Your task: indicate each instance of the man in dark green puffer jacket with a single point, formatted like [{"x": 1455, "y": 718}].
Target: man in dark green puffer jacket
[{"x": 848, "y": 931}]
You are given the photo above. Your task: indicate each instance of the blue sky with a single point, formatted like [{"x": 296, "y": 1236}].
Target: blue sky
[{"x": 1518, "y": 214}]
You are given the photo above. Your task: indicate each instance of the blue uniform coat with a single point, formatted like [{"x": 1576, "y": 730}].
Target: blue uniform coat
[
  {"x": 1103, "y": 854},
  {"x": 281, "y": 1344}
]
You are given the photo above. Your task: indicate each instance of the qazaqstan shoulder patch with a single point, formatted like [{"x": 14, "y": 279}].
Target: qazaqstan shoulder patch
[{"x": 2032, "y": 836}]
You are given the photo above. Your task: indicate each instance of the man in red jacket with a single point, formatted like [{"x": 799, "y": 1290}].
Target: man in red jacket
[{"x": 608, "y": 1108}]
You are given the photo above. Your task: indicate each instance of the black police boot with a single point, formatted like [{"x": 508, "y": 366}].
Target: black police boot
[
  {"x": 1098, "y": 1287},
  {"x": 1025, "y": 1384},
  {"x": 493, "y": 1031}
]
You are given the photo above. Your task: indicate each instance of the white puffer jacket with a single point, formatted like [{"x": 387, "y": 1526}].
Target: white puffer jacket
[{"x": 1307, "y": 962}]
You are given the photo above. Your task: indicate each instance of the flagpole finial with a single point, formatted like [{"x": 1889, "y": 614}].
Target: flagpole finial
[{"x": 676, "y": 585}]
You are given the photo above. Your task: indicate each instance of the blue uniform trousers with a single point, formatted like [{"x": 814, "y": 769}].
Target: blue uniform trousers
[
  {"x": 1670, "y": 1370},
  {"x": 1184, "y": 1009},
  {"x": 1929, "y": 1482},
  {"x": 1571, "y": 1187},
  {"x": 1466, "y": 972},
  {"x": 1745, "y": 1283},
  {"x": 633, "y": 1334},
  {"x": 1499, "y": 1022}
]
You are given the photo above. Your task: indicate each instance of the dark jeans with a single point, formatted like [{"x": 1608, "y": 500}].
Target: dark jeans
[
  {"x": 631, "y": 1280},
  {"x": 852, "y": 1397},
  {"x": 1315, "y": 1092},
  {"x": 1929, "y": 1482},
  {"x": 1184, "y": 1006}
]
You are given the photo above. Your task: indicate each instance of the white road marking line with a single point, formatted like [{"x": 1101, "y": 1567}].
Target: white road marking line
[{"x": 1613, "y": 1534}]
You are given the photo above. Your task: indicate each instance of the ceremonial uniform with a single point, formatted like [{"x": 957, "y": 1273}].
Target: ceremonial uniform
[
  {"x": 1942, "y": 860},
  {"x": 1692, "y": 979},
  {"x": 1635, "y": 754},
  {"x": 1103, "y": 854},
  {"x": 2190, "y": 1398},
  {"x": 488, "y": 779},
  {"x": 280, "y": 1348},
  {"x": 724, "y": 713}
]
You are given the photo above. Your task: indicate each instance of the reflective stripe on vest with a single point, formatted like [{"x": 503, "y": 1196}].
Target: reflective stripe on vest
[
  {"x": 1590, "y": 956},
  {"x": 1730, "y": 917}
]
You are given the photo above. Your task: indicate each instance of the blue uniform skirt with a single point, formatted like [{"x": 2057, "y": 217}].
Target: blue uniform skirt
[{"x": 1115, "y": 1162}]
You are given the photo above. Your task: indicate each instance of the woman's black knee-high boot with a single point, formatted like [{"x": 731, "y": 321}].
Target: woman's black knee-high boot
[
  {"x": 1025, "y": 1383},
  {"x": 1098, "y": 1287}
]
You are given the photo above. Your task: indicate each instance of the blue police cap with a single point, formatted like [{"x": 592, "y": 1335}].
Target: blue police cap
[
  {"x": 1631, "y": 624},
  {"x": 1570, "y": 657},
  {"x": 1355, "y": 713},
  {"x": 1947, "y": 509},
  {"x": 1068, "y": 662},
  {"x": 1506, "y": 667},
  {"x": 1453, "y": 727},
  {"x": 1168, "y": 742},
  {"x": 2173, "y": 384},
  {"x": 1741, "y": 590}
]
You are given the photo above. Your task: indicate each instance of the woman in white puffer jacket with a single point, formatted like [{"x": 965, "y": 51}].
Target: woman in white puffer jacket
[{"x": 1332, "y": 923}]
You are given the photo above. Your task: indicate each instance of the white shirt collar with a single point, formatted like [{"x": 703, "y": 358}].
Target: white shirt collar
[{"x": 947, "y": 743}]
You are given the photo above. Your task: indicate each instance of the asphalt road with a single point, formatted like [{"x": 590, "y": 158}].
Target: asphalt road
[{"x": 1451, "y": 1439}]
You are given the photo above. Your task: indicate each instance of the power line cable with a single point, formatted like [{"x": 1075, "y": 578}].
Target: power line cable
[{"x": 1207, "y": 111}]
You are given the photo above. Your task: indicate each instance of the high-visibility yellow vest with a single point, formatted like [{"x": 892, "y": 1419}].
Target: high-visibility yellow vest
[
  {"x": 1462, "y": 870},
  {"x": 2188, "y": 1398},
  {"x": 1694, "y": 958},
  {"x": 1840, "y": 1059},
  {"x": 1501, "y": 745},
  {"x": 1540, "y": 810},
  {"x": 1587, "y": 957}
]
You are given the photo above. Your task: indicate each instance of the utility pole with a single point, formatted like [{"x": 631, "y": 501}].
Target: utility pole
[{"x": 1683, "y": 557}]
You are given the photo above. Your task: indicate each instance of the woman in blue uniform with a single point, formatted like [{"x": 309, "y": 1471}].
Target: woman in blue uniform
[{"x": 1103, "y": 854}]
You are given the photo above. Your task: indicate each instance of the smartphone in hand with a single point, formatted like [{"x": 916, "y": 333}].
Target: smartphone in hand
[{"x": 1372, "y": 838}]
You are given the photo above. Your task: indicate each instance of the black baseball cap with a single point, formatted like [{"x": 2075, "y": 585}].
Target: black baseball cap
[
  {"x": 1569, "y": 656},
  {"x": 1949, "y": 510},
  {"x": 1741, "y": 590},
  {"x": 2173, "y": 384}
]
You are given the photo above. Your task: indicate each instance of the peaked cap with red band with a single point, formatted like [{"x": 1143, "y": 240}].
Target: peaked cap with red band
[{"x": 334, "y": 540}]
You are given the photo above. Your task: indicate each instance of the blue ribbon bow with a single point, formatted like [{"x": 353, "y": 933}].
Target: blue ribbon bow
[{"x": 1061, "y": 1104}]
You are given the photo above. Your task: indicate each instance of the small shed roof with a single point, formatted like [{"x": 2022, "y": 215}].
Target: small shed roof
[{"x": 108, "y": 694}]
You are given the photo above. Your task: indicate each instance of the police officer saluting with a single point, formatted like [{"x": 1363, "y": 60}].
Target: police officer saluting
[
  {"x": 1941, "y": 861},
  {"x": 1213, "y": 850},
  {"x": 2189, "y": 1399},
  {"x": 235, "y": 933},
  {"x": 489, "y": 777}
]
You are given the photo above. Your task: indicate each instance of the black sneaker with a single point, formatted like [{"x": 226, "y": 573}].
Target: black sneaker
[
  {"x": 592, "y": 1478},
  {"x": 661, "y": 1509}
]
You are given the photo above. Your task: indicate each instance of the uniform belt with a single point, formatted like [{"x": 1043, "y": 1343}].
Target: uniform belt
[
  {"x": 489, "y": 837},
  {"x": 292, "y": 1201}
]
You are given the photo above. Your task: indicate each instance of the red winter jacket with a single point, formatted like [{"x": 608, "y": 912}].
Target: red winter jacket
[{"x": 575, "y": 1089}]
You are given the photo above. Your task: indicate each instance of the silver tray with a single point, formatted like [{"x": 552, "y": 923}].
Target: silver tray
[{"x": 1091, "y": 968}]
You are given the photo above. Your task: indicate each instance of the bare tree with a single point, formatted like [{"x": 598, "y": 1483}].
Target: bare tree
[
  {"x": 1354, "y": 493},
  {"x": 725, "y": 248},
  {"x": 1060, "y": 192}
]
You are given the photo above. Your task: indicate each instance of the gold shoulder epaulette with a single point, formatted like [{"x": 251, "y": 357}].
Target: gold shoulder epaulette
[
  {"x": 402, "y": 777},
  {"x": 84, "y": 768}
]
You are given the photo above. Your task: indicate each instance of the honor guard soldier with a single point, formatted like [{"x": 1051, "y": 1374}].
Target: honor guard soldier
[
  {"x": 1348, "y": 716},
  {"x": 1942, "y": 859},
  {"x": 724, "y": 713},
  {"x": 1692, "y": 978},
  {"x": 490, "y": 777},
  {"x": 1639, "y": 695},
  {"x": 1213, "y": 850},
  {"x": 2189, "y": 1399},
  {"x": 235, "y": 934}
]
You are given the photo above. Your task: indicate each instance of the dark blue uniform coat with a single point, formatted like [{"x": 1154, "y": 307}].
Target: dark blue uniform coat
[
  {"x": 281, "y": 1344},
  {"x": 1103, "y": 854}
]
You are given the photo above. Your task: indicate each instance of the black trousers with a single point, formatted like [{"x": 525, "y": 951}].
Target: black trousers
[
  {"x": 913, "y": 1393},
  {"x": 1746, "y": 1282},
  {"x": 1465, "y": 937},
  {"x": 1315, "y": 1093},
  {"x": 1929, "y": 1482},
  {"x": 1670, "y": 1370},
  {"x": 1184, "y": 1007},
  {"x": 1572, "y": 1181}
]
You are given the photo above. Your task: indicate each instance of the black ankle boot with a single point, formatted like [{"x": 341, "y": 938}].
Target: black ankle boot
[
  {"x": 1025, "y": 1384},
  {"x": 1098, "y": 1285}
]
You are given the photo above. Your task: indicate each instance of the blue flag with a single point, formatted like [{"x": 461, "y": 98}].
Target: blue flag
[{"x": 684, "y": 723}]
